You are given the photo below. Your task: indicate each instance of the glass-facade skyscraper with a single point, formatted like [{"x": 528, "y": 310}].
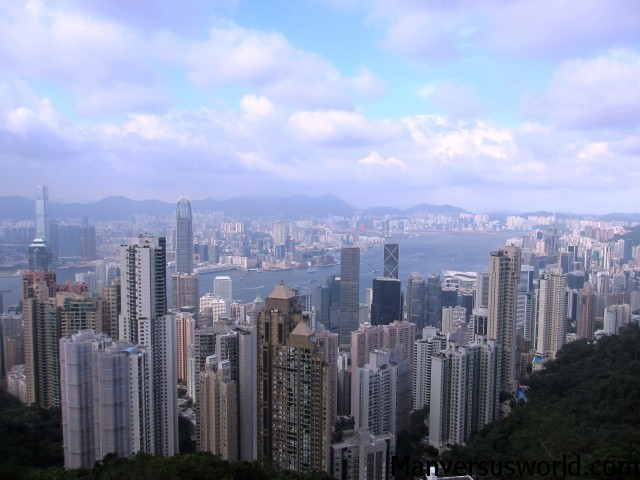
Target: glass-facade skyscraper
[
  {"x": 184, "y": 237},
  {"x": 349, "y": 292}
]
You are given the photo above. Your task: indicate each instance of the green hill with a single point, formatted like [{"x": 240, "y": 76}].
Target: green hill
[{"x": 583, "y": 406}]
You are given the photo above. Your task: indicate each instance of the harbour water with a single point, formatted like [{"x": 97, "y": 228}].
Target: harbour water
[{"x": 425, "y": 254}]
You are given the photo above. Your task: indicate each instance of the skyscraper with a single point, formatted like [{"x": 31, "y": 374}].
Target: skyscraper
[
  {"x": 144, "y": 321},
  {"x": 42, "y": 213},
  {"x": 416, "y": 296},
  {"x": 41, "y": 334},
  {"x": 391, "y": 260},
  {"x": 218, "y": 399},
  {"x": 386, "y": 304},
  {"x": 349, "y": 292},
  {"x": 293, "y": 388},
  {"x": 585, "y": 318},
  {"x": 185, "y": 291},
  {"x": 223, "y": 287},
  {"x": 38, "y": 255},
  {"x": 433, "y": 301},
  {"x": 504, "y": 276},
  {"x": 184, "y": 237},
  {"x": 88, "y": 416},
  {"x": 551, "y": 313},
  {"x": 465, "y": 391}
]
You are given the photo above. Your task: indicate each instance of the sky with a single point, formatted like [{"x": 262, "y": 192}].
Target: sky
[{"x": 488, "y": 105}]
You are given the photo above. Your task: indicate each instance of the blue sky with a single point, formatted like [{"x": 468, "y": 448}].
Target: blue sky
[{"x": 488, "y": 105}]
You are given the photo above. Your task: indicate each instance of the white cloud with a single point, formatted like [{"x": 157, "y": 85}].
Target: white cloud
[
  {"x": 442, "y": 31},
  {"x": 600, "y": 92},
  {"x": 456, "y": 99},
  {"x": 256, "y": 107},
  {"x": 375, "y": 159},
  {"x": 341, "y": 128}
]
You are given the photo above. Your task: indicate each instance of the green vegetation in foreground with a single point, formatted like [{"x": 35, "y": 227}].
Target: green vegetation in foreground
[
  {"x": 30, "y": 437},
  {"x": 584, "y": 404}
]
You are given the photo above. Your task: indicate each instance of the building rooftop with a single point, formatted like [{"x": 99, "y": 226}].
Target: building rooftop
[{"x": 282, "y": 292}]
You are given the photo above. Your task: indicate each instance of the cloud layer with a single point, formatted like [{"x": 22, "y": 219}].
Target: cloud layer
[{"x": 97, "y": 99}]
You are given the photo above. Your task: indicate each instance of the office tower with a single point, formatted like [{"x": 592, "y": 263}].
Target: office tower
[
  {"x": 101, "y": 273},
  {"x": 279, "y": 233},
  {"x": 186, "y": 331},
  {"x": 575, "y": 280},
  {"x": 465, "y": 300},
  {"x": 144, "y": 321},
  {"x": 109, "y": 304},
  {"x": 464, "y": 391},
  {"x": 88, "y": 242},
  {"x": 343, "y": 390},
  {"x": 184, "y": 237},
  {"x": 222, "y": 287},
  {"x": 323, "y": 306},
  {"x": 184, "y": 287},
  {"x": 586, "y": 313},
  {"x": 425, "y": 349},
  {"x": 293, "y": 388},
  {"x": 219, "y": 406},
  {"x": 449, "y": 297},
  {"x": 504, "y": 277},
  {"x": 482, "y": 290},
  {"x": 38, "y": 255},
  {"x": 552, "y": 316},
  {"x": 42, "y": 213},
  {"x": 41, "y": 334},
  {"x": 391, "y": 260},
  {"x": 386, "y": 303},
  {"x": 524, "y": 319},
  {"x": 434, "y": 301},
  {"x": 349, "y": 292},
  {"x": 415, "y": 300},
  {"x": 66, "y": 244},
  {"x": 361, "y": 455},
  {"x": 333, "y": 286}
]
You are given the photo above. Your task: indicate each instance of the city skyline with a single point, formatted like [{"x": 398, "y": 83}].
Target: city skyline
[{"x": 480, "y": 106}]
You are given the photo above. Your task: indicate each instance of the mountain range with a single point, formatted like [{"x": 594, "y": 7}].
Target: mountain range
[
  {"x": 122, "y": 208},
  {"x": 297, "y": 206}
]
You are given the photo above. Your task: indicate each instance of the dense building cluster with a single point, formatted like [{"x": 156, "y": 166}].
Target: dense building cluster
[{"x": 272, "y": 378}]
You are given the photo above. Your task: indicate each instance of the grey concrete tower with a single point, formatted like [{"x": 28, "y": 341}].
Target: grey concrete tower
[
  {"x": 349, "y": 292},
  {"x": 184, "y": 237}
]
